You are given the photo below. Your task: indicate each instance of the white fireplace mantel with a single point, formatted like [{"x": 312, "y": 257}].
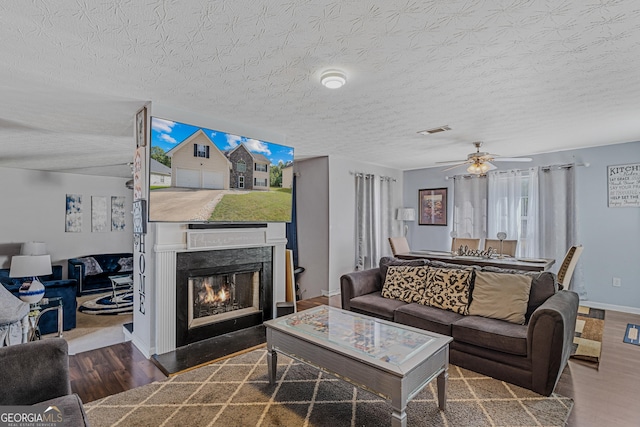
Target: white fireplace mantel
[{"x": 155, "y": 329}]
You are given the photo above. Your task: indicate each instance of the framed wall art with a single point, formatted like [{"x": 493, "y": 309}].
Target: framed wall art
[
  {"x": 433, "y": 206},
  {"x": 141, "y": 127}
]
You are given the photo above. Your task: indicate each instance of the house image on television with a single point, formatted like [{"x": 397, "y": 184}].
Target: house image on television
[
  {"x": 197, "y": 163},
  {"x": 159, "y": 174},
  {"x": 249, "y": 171}
]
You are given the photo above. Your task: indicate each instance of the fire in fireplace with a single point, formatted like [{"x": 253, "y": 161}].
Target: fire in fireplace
[
  {"x": 222, "y": 291},
  {"x": 214, "y": 298}
]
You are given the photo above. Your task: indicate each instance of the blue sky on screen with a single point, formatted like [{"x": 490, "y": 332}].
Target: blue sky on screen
[{"x": 166, "y": 134}]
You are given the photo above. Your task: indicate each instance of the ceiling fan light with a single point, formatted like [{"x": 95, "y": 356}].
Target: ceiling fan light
[
  {"x": 484, "y": 167},
  {"x": 474, "y": 168},
  {"x": 333, "y": 79}
]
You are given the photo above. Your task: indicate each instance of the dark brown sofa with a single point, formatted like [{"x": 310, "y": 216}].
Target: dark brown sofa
[{"x": 532, "y": 355}]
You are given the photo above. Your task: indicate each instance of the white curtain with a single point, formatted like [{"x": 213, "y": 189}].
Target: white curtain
[
  {"x": 513, "y": 208},
  {"x": 366, "y": 236},
  {"x": 557, "y": 212},
  {"x": 386, "y": 215},
  {"x": 470, "y": 206}
]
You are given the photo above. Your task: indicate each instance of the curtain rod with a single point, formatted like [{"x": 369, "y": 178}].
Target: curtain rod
[{"x": 565, "y": 165}]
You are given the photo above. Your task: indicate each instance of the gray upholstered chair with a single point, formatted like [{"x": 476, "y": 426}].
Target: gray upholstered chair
[
  {"x": 37, "y": 372},
  {"x": 508, "y": 246},
  {"x": 568, "y": 265},
  {"x": 399, "y": 245},
  {"x": 470, "y": 243}
]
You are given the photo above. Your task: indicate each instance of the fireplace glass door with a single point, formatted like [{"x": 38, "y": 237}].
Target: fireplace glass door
[{"x": 217, "y": 297}]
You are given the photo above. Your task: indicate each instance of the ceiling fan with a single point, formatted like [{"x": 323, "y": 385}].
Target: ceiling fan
[{"x": 480, "y": 162}]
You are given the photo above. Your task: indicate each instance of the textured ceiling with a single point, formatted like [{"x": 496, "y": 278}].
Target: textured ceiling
[{"x": 524, "y": 76}]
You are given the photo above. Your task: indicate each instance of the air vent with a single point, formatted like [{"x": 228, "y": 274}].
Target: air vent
[{"x": 435, "y": 130}]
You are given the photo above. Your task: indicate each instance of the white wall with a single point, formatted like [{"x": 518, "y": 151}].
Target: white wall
[
  {"x": 342, "y": 211},
  {"x": 33, "y": 209},
  {"x": 326, "y": 219},
  {"x": 610, "y": 235},
  {"x": 312, "y": 204}
]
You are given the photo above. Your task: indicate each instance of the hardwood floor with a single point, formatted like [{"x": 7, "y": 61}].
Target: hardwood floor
[{"x": 604, "y": 396}]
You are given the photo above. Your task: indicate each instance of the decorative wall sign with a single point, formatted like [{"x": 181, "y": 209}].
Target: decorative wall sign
[
  {"x": 140, "y": 216},
  {"x": 141, "y": 127},
  {"x": 99, "y": 214},
  {"x": 117, "y": 213},
  {"x": 433, "y": 206},
  {"x": 624, "y": 185},
  {"x": 138, "y": 173},
  {"x": 73, "y": 214}
]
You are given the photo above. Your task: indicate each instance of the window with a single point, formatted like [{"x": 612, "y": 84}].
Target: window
[
  {"x": 241, "y": 166},
  {"x": 261, "y": 167},
  {"x": 201, "y": 150},
  {"x": 259, "y": 182}
]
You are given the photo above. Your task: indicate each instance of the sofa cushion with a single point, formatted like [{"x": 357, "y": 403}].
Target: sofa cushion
[
  {"x": 427, "y": 318},
  {"x": 126, "y": 264},
  {"x": 491, "y": 333},
  {"x": 543, "y": 285},
  {"x": 385, "y": 262},
  {"x": 375, "y": 305},
  {"x": 70, "y": 405},
  {"x": 91, "y": 266},
  {"x": 500, "y": 296},
  {"x": 448, "y": 289},
  {"x": 405, "y": 283}
]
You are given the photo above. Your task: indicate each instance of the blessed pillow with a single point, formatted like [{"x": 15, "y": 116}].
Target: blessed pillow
[
  {"x": 91, "y": 266},
  {"x": 448, "y": 289},
  {"x": 405, "y": 283},
  {"x": 126, "y": 264},
  {"x": 501, "y": 296}
]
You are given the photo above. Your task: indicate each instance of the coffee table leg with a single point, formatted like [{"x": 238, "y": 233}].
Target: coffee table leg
[
  {"x": 399, "y": 418},
  {"x": 442, "y": 388},
  {"x": 272, "y": 364}
]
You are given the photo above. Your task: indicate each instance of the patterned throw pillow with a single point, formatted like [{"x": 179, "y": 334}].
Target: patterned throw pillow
[
  {"x": 448, "y": 289},
  {"x": 405, "y": 283}
]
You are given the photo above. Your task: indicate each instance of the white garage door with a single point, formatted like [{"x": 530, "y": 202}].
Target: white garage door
[
  {"x": 213, "y": 180},
  {"x": 187, "y": 178}
]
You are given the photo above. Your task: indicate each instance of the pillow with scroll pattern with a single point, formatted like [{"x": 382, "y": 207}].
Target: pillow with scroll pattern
[
  {"x": 448, "y": 289},
  {"x": 405, "y": 283}
]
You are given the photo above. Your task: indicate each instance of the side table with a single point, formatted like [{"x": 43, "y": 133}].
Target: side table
[
  {"x": 38, "y": 309},
  {"x": 116, "y": 281}
]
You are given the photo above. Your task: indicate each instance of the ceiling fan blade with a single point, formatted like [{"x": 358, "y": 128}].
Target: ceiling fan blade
[
  {"x": 491, "y": 166},
  {"x": 512, "y": 159},
  {"x": 452, "y": 162},
  {"x": 455, "y": 166}
]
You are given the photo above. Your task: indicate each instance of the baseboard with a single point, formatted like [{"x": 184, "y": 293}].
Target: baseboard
[
  {"x": 602, "y": 306},
  {"x": 330, "y": 293}
]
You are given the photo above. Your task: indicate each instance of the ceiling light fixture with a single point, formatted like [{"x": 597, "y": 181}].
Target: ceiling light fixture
[
  {"x": 478, "y": 168},
  {"x": 333, "y": 79}
]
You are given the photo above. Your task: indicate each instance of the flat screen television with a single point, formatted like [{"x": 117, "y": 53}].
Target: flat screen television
[{"x": 199, "y": 175}]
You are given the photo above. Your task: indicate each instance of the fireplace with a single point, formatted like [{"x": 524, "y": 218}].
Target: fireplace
[{"x": 222, "y": 291}]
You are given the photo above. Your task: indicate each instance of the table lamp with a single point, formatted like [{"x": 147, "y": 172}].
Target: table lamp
[
  {"x": 406, "y": 214},
  {"x": 30, "y": 266}
]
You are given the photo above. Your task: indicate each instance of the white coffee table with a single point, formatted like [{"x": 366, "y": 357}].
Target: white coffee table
[
  {"x": 392, "y": 360},
  {"x": 121, "y": 280}
]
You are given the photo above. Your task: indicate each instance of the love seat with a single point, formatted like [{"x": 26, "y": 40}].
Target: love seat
[
  {"x": 530, "y": 351},
  {"x": 93, "y": 272}
]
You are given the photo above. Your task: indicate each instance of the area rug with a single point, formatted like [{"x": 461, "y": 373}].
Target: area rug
[
  {"x": 121, "y": 304},
  {"x": 236, "y": 392},
  {"x": 587, "y": 340},
  {"x": 632, "y": 334}
]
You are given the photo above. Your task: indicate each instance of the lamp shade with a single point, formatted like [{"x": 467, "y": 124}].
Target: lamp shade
[
  {"x": 30, "y": 266},
  {"x": 33, "y": 248},
  {"x": 406, "y": 214}
]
